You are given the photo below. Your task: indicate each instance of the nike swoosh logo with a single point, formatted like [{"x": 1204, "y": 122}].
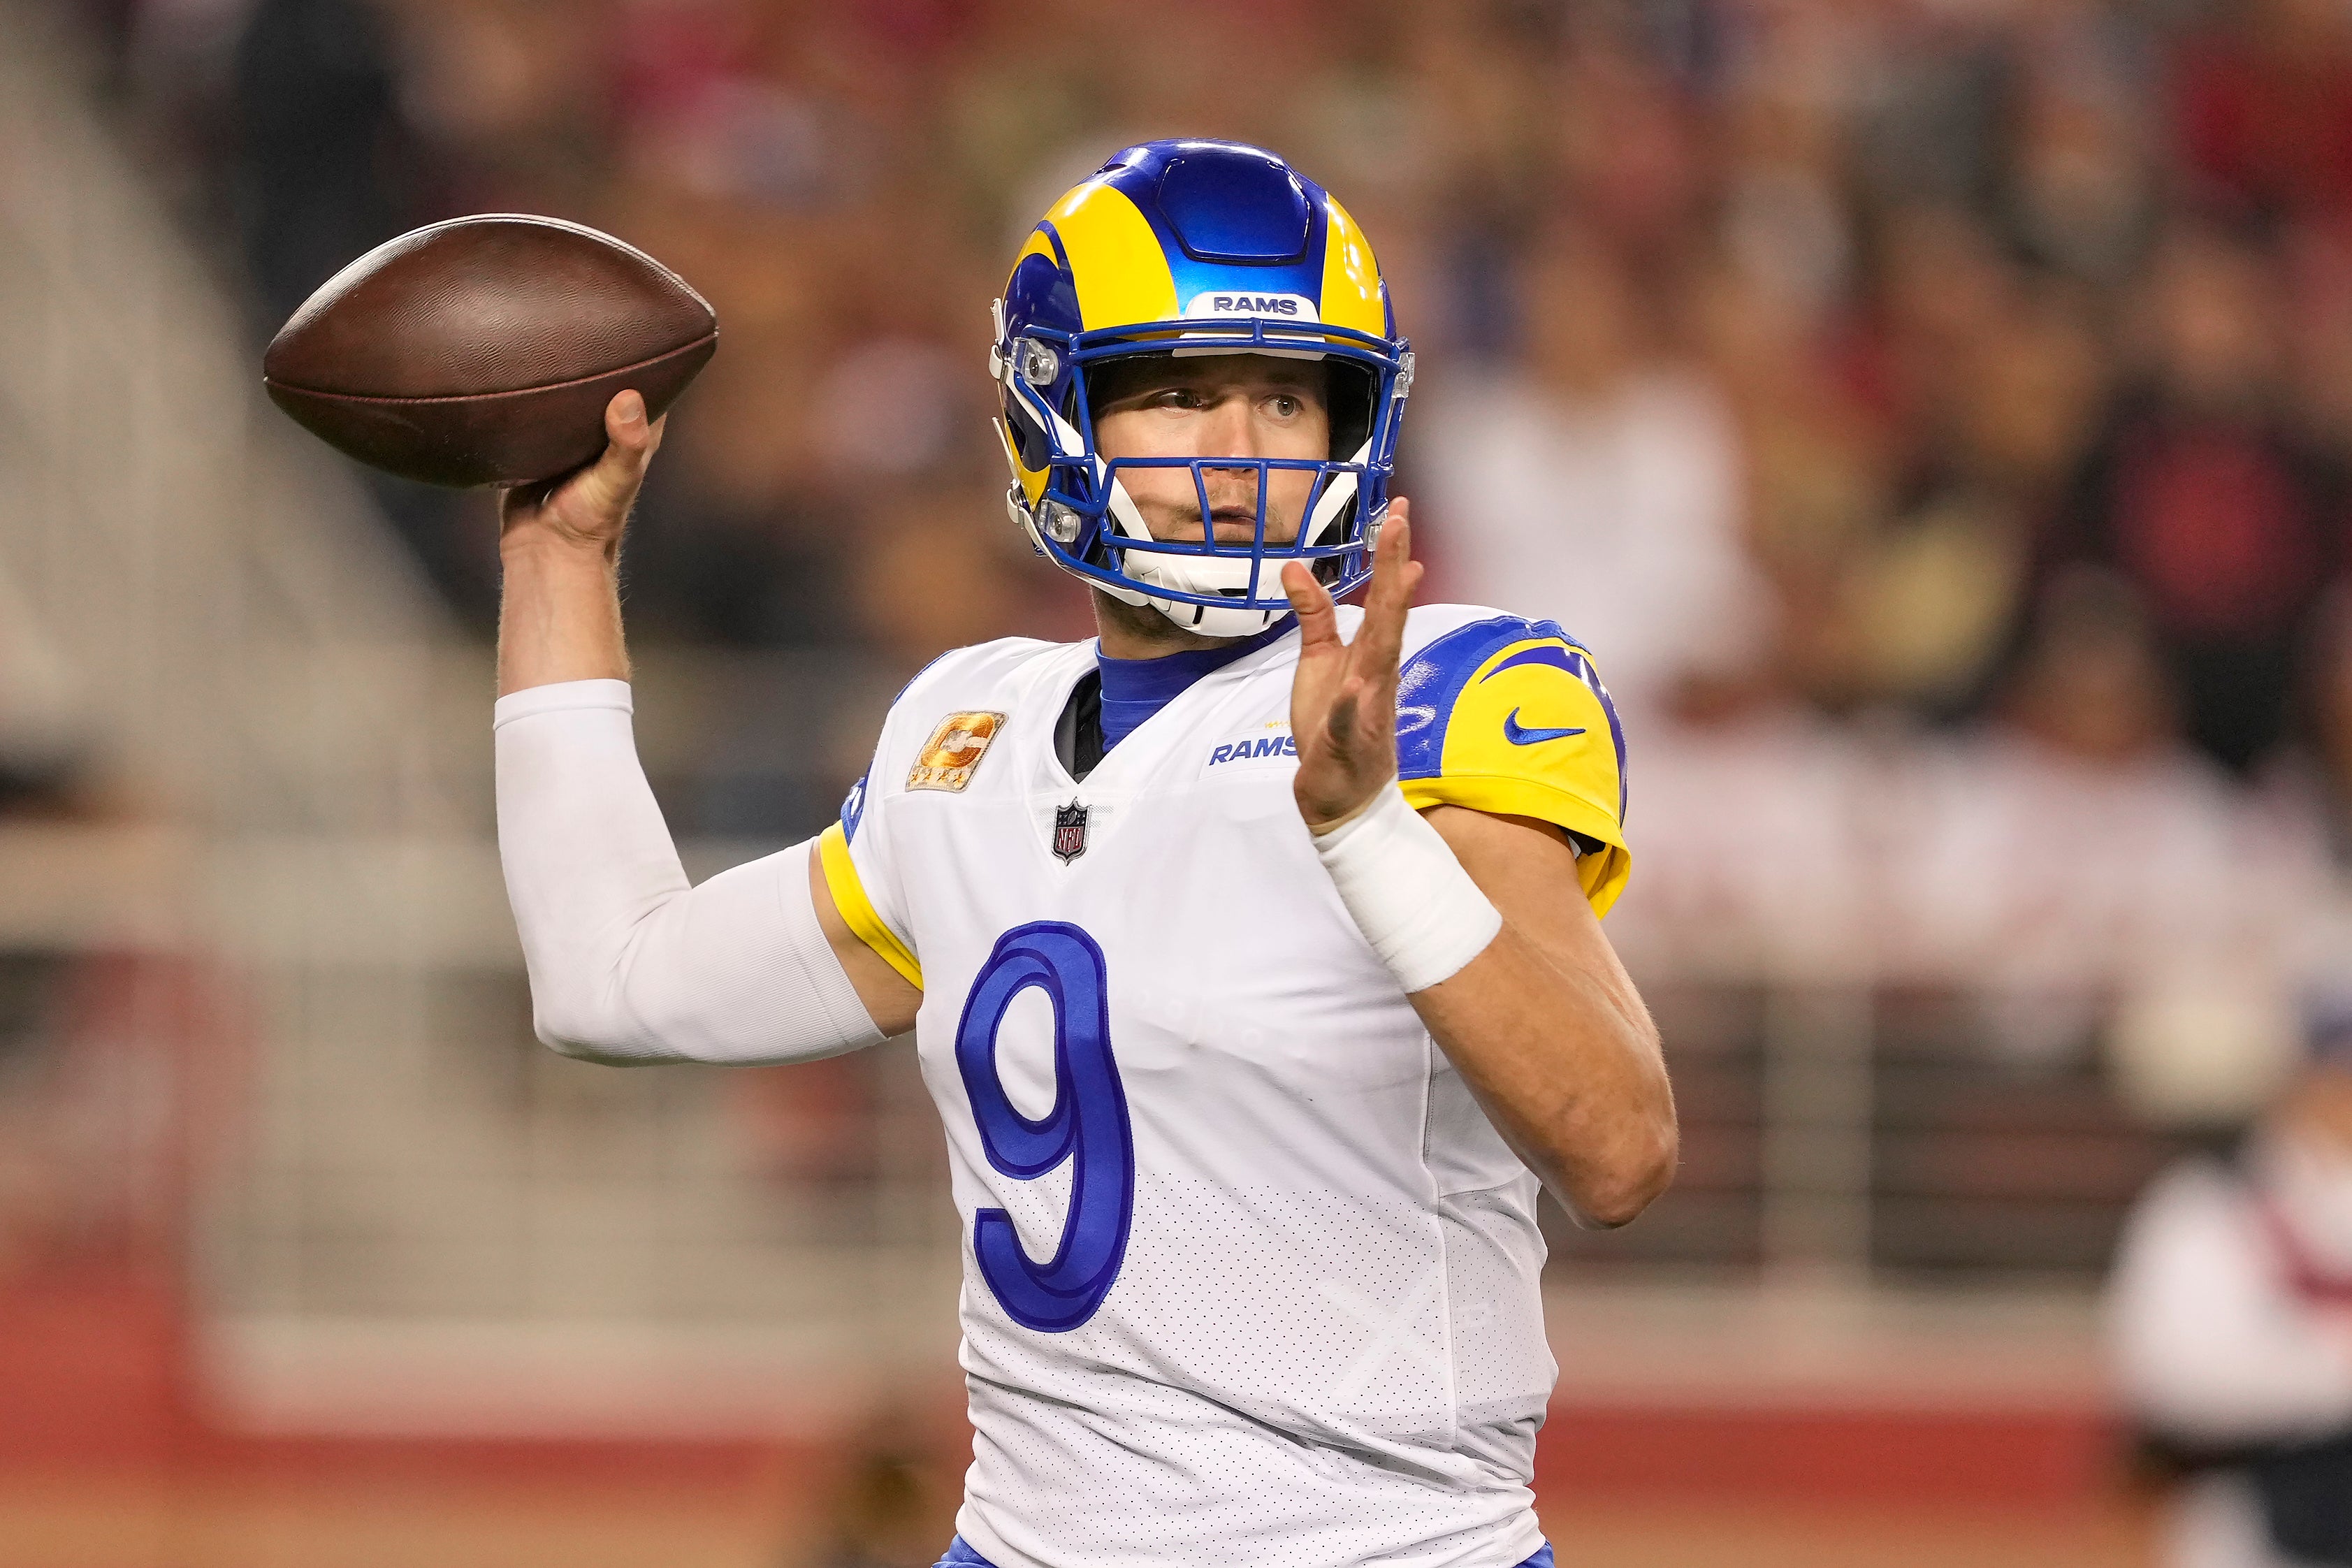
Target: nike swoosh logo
[{"x": 1519, "y": 734}]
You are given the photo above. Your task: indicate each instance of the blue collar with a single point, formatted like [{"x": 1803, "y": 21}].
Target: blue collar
[{"x": 1133, "y": 689}]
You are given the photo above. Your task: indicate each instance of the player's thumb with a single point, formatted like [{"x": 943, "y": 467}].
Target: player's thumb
[
  {"x": 610, "y": 482},
  {"x": 627, "y": 432}
]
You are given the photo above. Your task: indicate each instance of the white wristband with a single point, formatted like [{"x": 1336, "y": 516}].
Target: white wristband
[{"x": 1409, "y": 895}]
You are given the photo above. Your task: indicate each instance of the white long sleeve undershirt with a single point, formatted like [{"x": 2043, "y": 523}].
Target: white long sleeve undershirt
[{"x": 629, "y": 963}]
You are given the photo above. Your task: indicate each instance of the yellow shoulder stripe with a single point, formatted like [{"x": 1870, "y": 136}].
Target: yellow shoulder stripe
[{"x": 849, "y": 897}]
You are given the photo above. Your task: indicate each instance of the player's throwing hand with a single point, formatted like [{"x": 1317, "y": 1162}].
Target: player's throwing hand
[
  {"x": 588, "y": 507},
  {"x": 1343, "y": 698},
  {"x": 560, "y": 552}
]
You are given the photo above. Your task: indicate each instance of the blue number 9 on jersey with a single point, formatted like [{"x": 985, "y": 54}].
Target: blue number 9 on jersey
[{"x": 1087, "y": 1125}]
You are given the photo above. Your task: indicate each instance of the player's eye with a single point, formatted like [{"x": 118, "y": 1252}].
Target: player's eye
[
  {"x": 1176, "y": 397},
  {"x": 1284, "y": 406}
]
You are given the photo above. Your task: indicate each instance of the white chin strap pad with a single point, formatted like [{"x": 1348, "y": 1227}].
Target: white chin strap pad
[
  {"x": 1211, "y": 575},
  {"x": 1333, "y": 502},
  {"x": 1188, "y": 574}
]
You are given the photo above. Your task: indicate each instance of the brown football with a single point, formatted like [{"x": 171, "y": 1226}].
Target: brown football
[{"x": 482, "y": 351}]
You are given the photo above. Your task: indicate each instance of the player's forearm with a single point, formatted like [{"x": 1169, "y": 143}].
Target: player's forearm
[
  {"x": 1566, "y": 1064},
  {"x": 1481, "y": 920},
  {"x": 1547, "y": 1027},
  {"x": 558, "y": 611}
]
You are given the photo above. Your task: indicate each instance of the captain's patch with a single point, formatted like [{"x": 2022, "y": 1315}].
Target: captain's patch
[{"x": 949, "y": 758}]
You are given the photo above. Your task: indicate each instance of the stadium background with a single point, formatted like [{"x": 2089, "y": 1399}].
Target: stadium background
[{"x": 1936, "y": 415}]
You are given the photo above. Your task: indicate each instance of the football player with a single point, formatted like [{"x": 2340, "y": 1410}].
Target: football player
[{"x": 1252, "y": 949}]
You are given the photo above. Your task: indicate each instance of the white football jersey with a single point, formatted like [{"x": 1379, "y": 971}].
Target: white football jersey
[{"x": 1249, "y": 1277}]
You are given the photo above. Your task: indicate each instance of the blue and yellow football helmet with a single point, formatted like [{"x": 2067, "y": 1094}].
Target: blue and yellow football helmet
[{"x": 1193, "y": 247}]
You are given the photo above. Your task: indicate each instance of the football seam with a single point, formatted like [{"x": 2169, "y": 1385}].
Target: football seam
[{"x": 710, "y": 337}]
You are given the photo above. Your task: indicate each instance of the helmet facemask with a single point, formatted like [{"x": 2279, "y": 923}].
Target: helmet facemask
[{"x": 1086, "y": 519}]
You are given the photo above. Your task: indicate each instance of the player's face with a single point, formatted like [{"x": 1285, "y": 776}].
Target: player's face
[{"x": 1217, "y": 405}]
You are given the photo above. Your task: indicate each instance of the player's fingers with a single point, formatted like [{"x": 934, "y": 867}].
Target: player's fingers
[
  {"x": 1389, "y": 559},
  {"x": 631, "y": 437},
  {"x": 591, "y": 502},
  {"x": 1390, "y": 654},
  {"x": 1321, "y": 653},
  {"x": 1319, "y": 618},
  {"x": 1381, "y": 639}
]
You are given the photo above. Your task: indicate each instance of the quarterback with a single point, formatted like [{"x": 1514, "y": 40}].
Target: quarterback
[{"x": 1252, "y": 949}]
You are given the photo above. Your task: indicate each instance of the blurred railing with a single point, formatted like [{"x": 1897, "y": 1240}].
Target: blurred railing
[
  {"x": 254, "y": 676},
  {"x": 1858, "y": 1136}
]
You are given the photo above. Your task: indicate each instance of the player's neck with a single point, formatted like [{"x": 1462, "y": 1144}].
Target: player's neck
[{"x": 1139, "y": 631}]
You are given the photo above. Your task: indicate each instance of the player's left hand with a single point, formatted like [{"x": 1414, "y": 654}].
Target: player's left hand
[{"x": 1343, "y": 698}]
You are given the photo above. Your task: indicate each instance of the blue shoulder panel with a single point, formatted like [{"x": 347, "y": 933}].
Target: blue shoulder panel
[
  {"x": 1432, "y": 682},
  {"x": 1433, "y": 679}
]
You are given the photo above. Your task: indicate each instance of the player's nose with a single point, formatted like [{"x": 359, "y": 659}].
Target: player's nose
[
  {"x": 1231, "y": 433},
  {"x": 1231, "y": 489},
  {"x": 1229, "y": 429}
]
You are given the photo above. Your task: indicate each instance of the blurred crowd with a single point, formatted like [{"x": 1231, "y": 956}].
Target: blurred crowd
[
  {"x": 1851, "y": 375},
  {"x": 1938, "y": 417},
  {"x": 1859, "y": 321}
]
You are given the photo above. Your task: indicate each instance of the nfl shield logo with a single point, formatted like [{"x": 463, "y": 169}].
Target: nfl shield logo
[{"x": 1069, "y": 832}]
